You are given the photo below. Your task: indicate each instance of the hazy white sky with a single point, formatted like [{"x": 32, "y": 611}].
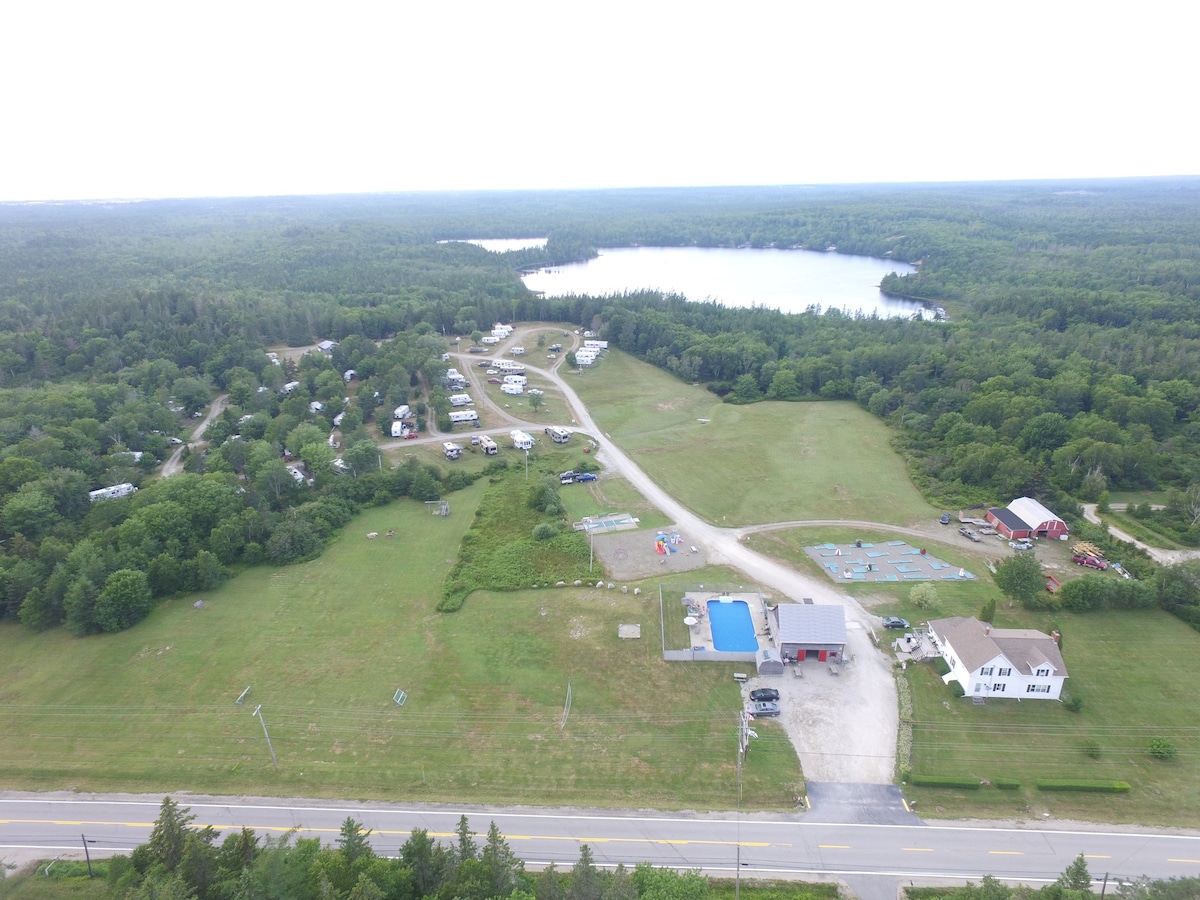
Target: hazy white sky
[{"x": 170, "y": 99}]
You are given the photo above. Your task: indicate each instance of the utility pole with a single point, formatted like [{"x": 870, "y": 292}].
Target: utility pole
[
  {"x": 87, "y": 854},
  {"x": 258, "y": 712}
]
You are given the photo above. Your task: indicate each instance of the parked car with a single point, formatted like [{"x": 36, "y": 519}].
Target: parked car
[
  {"x": 484, "y": 364},
  {"x": 551, "y": 356},
  {"x": 566, "y": 477},
  {"x": 968, "y": 533},
  {"x": 764, "y": 695},
  {"x": 895, "y": 622},
  {"x": 1092, "y": 562},
  {"x": 586, "y": 476},
  {"x": 494, "y": 381},
  {"x": 945, "y": 519},
  {"x": 764, "y": 708},
  {"x": 475, "y": 439},
  {"x": 1021, "y": 545},
  {"x": 492, "y": 372},
  {"x": 477, "y": 349},
  {"x": 412, "y": 435}
]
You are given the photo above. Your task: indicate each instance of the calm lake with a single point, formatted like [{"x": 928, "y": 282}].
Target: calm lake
[{"x": 789, "y": 280}]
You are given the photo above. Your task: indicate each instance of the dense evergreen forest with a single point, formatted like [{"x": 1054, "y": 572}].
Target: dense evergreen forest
[{"x": 1067, "y": 367}]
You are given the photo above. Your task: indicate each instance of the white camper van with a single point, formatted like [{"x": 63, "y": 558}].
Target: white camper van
[{"x": 521, "y": 440}]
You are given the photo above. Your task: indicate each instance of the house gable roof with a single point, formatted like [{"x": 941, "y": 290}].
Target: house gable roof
[
  {"x": 806, "y": 623},
  {"x": 1032, "y": 512},
  {"x": 976, "y": 645}
]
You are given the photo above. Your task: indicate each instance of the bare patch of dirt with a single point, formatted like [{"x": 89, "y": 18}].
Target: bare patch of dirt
[{"x": 630, "y": 555}]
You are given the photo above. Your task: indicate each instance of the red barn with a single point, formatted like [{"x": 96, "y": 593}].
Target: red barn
[{"x": 1026, "y": 518}]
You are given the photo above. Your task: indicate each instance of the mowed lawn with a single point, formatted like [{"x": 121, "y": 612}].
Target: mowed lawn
[
  {"x": 766, "y": 462},
  {"x": 1136, "y": 672},
  {"x": 324, "y": 646}
]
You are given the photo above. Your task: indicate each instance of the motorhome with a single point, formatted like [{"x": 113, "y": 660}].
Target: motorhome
[
  {"x": 558, "y": 435},
  {"x": 451, "y": 449},
  {"x": 513, "y": 390},
  {"x": 595, "y": 345},
  {"x": 462, "y": 416},
  {"x": 509, "y": 367},
  {"x": 401, "y": 412},
  {"x": 399, "y": 429},
  {"x": 113, "y": 492},
  {"x": 515, "y": 379},
  {"x": 488, "y": 446},
  {"x": 521, "y": 440}
]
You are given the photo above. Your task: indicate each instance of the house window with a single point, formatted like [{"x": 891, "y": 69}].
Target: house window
[
  {"x": 1005, "y": 672},
  {"x": 1037, "y": 688},
  {"x": 978, "y": 687},
  {"x": 1042, "y": 672},
  {"x": 998, "y": 688},
  {"x": 986, "y": 670}
]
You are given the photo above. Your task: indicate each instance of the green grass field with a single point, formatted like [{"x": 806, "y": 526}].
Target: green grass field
[
  {"x": 1127, "y": 700},
  {"x": 768, "y": 462},
  {"x": 325, "y": 645}
]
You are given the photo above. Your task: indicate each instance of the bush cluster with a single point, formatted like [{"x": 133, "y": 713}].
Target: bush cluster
[
  {"x": 1082, "y": 785},
  {"x": 948, "y": 781}
]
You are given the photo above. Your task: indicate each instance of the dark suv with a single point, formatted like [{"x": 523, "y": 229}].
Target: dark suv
[{"x": 764, "y": 695}]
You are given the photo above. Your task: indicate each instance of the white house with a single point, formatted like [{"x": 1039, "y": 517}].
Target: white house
[{"x": 1016, "y": 663}]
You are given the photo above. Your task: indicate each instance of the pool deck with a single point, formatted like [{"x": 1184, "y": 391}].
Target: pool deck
[{"x": 696, "y": 605}]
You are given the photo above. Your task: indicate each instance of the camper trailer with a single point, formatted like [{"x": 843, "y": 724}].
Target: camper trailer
[
  {"x": 399, "y": 429},
  {"x": 517, "y": 351},
  {"x": 112, "y": 493},
  {"x": 401, "y": 412},
  {"x": 513, "y": 390},
  {"x": 451, "y": 449},
  {"x": 462, "y": 416},
  {"x": 461, "y": 400},
  {"x": 521, "y": 440},
  {"x": 595, "y": 345},
  {"x": 491, "y": 339},
  {"x": 487, "y": 445},
  {"x": 558, "y": 435},
  {"x": 515, "y": 379}
]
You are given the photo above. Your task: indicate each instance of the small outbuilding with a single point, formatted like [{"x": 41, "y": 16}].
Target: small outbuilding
[{"x": 769, "y": 662}]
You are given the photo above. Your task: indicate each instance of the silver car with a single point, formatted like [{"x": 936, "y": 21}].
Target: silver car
[{"x": 764, "y": 708}]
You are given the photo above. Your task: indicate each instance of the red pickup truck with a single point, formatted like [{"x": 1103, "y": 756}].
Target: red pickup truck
[{"x": 1091, "y": 562}]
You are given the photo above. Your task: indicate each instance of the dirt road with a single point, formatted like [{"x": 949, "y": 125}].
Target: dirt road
[
  {"x": 843, "y": 728},
  {"x": 174, "y": 463}
]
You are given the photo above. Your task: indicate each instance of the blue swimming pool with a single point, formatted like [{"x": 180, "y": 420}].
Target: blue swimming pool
[{"x": 732, "y": 626}]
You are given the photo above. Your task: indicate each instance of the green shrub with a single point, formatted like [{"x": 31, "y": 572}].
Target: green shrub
[
  {"x": 1072, "y": 702},
  {"x": 957, "y": 689},
  {"x": 948, "y": 781},
  {"x": 1161, "y": 748},
  {"x": 1081, "y": 785},
  {"x": 544, "y": 531},
  {"x": 943, "y": 667},
  {"x": 1006, "y": 784},
  {"x": 988, "y": 613},
  {"x": 1091, "y": 749}
]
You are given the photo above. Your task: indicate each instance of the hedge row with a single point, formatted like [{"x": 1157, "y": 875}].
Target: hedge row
[
  {"x": 950, "y": 781},
  {"x": 1006, "y": 784},
  {"x": 1076, "y": 784}
]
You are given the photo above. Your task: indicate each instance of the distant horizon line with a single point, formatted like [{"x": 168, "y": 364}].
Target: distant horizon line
[{"x": 1081, "y": 179}]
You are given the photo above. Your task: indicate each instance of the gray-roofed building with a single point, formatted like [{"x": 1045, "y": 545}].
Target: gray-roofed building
[
  {"x": 1018, "y": 663},
  {"x": 804, "y": 630}
]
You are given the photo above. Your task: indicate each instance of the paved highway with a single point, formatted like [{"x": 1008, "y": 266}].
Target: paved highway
[{"x": 770, "y": 846}]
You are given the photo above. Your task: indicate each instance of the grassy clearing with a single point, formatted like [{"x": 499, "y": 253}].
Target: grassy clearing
[
  {"x": 1126, "y": 703},
  {"x": 67, "y": 879},
  {"x": 768, "y": 462},
  {"x": 325, "y": 645}
]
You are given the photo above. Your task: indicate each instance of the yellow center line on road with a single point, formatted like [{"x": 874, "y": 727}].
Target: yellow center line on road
[
  {"x": 834, "y": 846},
  {"x": 1169, "y": 859},
  {"x": 918, "y": 849},
  {"x": 390, "y": 832},
  {"x": 1095, "y": 856},
  {"x": 1006, "y": 853}
]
